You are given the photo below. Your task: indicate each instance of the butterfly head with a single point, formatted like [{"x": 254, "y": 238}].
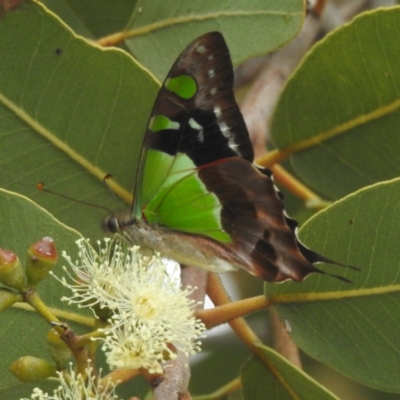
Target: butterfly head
[{"x": 117, "y": 221}]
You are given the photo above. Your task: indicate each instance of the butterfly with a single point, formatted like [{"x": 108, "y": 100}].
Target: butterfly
[{"x": 199, "y": 198}]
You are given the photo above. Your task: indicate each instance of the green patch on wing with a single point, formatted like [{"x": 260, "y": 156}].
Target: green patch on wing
[
  {"x": 184, "y": 86},
  {"x": 186, "y": 205},
  {"x": 161, "y": 169},
  {"x": 161, "y": 122}
]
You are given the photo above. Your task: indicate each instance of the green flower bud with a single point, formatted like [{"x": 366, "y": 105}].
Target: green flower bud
[
  {"x": 104, "y": 313},
  {"x": 32, "y": 369},
  {"x": 59, "y": 351},
  {"x": 11, "y": 272},
  {"x": 42, "y": 256},
  {"x": 8, "y": 298}
]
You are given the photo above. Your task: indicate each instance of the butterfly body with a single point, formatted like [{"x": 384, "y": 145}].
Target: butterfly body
[
  {"x": 199, "y": 199},
  {"x": 185, "y": 248}
]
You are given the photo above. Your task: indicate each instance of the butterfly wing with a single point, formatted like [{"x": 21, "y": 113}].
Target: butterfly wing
[
  {"x": 195, "y": 119},
  {"x": 196, "y": 176},
  {"x": 253, "y": 216},
  {"x": 188, "y": 206},
  {"x": 234, "y": 203}
]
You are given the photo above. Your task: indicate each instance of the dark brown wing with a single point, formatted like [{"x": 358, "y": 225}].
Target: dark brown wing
[
  {"x": 211, "y": 125},
  {"x": 253, "y": 214}
]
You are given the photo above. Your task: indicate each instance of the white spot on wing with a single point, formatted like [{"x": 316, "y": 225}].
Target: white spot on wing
[
  {"x": 200, "y": 136},
  {"x": 195, "y": 125},
  {"x": 217, "y": 111},
  {"x": 233, "y": 145},
  {"x": 201, "y": 49},
  {"x": 211, "y": 57},
  {"x": 174, "y": 125},
  {"x": 211, "y": 73},
  {"x": 224, "y": 128},
  {"x": 213, "y": 91}
]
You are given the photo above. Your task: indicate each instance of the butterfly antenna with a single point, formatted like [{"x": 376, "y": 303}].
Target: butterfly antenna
[{"x": 40, "y": 186}]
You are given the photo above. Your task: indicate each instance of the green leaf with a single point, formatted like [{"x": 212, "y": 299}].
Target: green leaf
[
  {"x": 351, "y": 327},
  {"x": 158, "y": 32},
  {"x": 276, "y": 378},
  {"x": 343, "y": 102},
  {"x": 93, "y": 18},
  {"x": 167, "y": 27},
  {"x": 23, "y": 332},
  {"x": 71, "y": 113}
]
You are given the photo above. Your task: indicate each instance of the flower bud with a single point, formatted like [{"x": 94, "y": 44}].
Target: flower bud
[
  {"x": 32, "y": 369},
  {"x": 104, "y": 313},
  {"x": 59, "y": 351},
  {"x": 11, "y": 272},
  {"x": 8, "y": 298},
  {"x": 42, "y": 256}
]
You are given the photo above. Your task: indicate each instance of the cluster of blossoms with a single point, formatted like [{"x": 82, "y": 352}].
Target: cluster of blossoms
[
  {"x": 150, "y": 315},
  {"x": 74, "y": 387}
]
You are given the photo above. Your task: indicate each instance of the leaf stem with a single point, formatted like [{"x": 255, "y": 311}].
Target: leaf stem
[
  {"x": 223, "y": 391},
  {"x": 217, "y": 294},
  {"x": 219, "y": 297},
  {"x": 32, "y": 297},
  {"x": 300, "y": 190},
  {"x": 227, "y": 312},
  {"x": 117, "y": 38},
  {"x": 61, "y": 314},
  {"x": 119, "y": 376},
  {"x": 282, "y": 341}
]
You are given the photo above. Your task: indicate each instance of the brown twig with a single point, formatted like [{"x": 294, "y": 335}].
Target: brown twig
[
  {"x": 287, "y": 180},
  {"x": 261, "y": 99},
  {"x": 173, "y": 384},
  {"x": 119, "y": 376},
  {"x": 283, "y": 343},
  {"x": 227, "y": 312},
  {"x": 318, "y": 7},
  {"x": 250, "y": 70},
  {"x": 218, "y": 295}
]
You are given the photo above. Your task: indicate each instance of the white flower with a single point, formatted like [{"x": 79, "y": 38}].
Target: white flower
[
  {"x": 75, "y": 387},
  {"x": 152, "y": 316},
  {"x": 92, "y": 277},
  {"x": 126, "y": 349}
]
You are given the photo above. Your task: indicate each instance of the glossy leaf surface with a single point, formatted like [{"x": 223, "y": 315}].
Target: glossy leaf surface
[
  {"x": 169, "y": 28},
  {"x": 351, "y": 327},
  {"x": 23, "y": 332},
  {"x": 276, "y": 378},
  {"x": 344, "y": 101},
  {"x": 71, "y": 113},
  {"x": 93, "y": 18}
]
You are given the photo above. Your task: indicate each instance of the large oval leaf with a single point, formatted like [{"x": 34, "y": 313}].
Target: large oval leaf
[
  {"x": 276, "y": 378},
  {"x": 23, "y": 332},
  {"x": 342, "y": 105},
  {"x": 352, "y": 327},
  {"x": 159, "y": 29},
  {"x": 71, "y": 112},
  {"x": 93, "y": 18}
]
